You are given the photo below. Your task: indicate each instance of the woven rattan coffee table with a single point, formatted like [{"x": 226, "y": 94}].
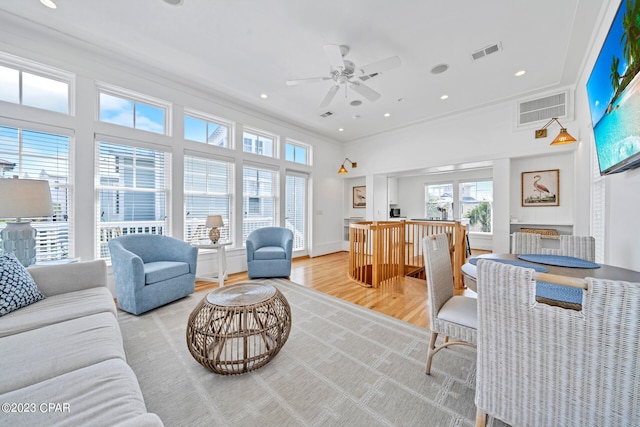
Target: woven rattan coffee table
[{"x": 239, "y": 328}]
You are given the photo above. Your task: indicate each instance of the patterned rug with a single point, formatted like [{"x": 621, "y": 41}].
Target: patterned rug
[{"x": 342, "y": 365}]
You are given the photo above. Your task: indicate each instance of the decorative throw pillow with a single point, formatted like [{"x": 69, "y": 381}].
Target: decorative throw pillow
[{"x": 17, "y": 288}]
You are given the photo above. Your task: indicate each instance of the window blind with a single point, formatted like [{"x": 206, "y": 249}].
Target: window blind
[
  {"x": 258, "y": 199},
  {"x": 31, "y": 154}
]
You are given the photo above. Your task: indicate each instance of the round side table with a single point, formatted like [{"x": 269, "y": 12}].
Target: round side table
[{"x": 239, "y": 328}]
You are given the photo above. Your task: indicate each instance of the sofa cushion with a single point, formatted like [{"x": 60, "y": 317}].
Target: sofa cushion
[
  {"x": 106, "y": 393},
  {"x": 269, "y": 252},
  {"x": 17, "y": 288},
  {"x": 159, "y": 271},
  {"x": 33, "y": 356},
  {"x": 58, "y": 308}
]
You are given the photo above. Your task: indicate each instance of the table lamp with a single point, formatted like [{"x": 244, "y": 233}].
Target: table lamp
[
  {"x": 214, "y": 221},
  {"x": 23, "y": 198}
]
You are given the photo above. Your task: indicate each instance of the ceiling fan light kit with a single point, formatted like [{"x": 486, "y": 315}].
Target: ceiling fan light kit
[{"x": 345, "y": 73}]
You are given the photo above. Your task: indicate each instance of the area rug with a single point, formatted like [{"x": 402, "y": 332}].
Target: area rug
[{"x": 343, "y": 365}]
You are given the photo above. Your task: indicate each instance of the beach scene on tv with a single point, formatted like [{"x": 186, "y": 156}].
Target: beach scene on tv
[{"x": 613, "y": 90}]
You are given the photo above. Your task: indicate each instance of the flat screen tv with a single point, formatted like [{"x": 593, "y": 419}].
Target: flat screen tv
[{"x": 613, "y": 90}]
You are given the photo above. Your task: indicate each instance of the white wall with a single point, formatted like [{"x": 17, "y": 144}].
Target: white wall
[{"x": 33, "y": 43}]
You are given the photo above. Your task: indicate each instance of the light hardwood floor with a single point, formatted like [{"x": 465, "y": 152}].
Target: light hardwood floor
[{"x": 404, "y": 298}]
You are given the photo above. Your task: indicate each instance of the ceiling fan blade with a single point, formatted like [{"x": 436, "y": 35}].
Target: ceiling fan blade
[
  {"x": 381, "y": 65},
  {"x": 364, "y": 90},
  {"x": 334, "y": 55},
  {"x": 329, "y": 96},
  {"x": 309, "y": 80}
]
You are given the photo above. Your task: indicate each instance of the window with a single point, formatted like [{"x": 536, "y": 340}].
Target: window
[
  {"x": 296, "y": 152},
  {"x": 208, "y": 190},
  {"x": 34, "y": 85},
  {"x": 207, "y": 131},
  {"x": 130, "y": 111},
  {"x": 296, "y": 203},
  {"x": 258, "y": 143},
  {"x": 258, "y": 199},
  {"x": 476, "y": 203},
  {"x": 439, "y": 203},
  {"x": 30, "y": 154},
  {"x": 133, "y": 191}
]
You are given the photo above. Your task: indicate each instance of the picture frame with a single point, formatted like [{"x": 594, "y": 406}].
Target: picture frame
[
  {"x": 541, "y": 188},
  {"x": 359, "y": 196}
]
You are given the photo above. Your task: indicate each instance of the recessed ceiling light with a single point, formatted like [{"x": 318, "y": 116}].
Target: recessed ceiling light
[
  {"x": 356, "y": 116},
  {"x": 263, "y": 96},
  {"x": 355, "y": 103},
  {"x": 49, "y": 3},
  {"x": 445, "y": 96},
  {"x": 521, "y": 73},
  {"x": 439, "y": 69},
  {"x": 401, "y": 99},
  {"x": 387, "y": 114},
  {"x": 340, "y": 130},
  {"x": 174, "y": 2}
]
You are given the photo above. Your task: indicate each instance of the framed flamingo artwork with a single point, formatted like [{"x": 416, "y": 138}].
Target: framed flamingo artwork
[{"x": 541, "y": 188}]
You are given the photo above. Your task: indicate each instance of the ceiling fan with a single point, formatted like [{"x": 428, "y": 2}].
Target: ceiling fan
[{"x": 345, "y": 72}]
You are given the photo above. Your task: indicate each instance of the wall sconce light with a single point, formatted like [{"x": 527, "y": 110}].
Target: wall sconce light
[
  {"x": 343, "y": 170},
  {"x": 562, "y": 138}
]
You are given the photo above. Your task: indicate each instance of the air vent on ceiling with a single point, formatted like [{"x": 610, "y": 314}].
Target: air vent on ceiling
[
  {"x": 545, "y": 108},
  {"x": 488, "y": 50},
  {"x": 327, "y": 114}
]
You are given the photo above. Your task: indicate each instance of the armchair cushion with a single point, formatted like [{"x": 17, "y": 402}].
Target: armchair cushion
[
  {"x": 270, "y": 252},
  {"x": 163, "y": 270}
]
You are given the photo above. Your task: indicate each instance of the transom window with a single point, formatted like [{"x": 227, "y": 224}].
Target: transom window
[
  {"x": 124, "y": 109},
  {"x": 258, "y": 143},
  {"x": 30, "y": 154},
  {"x": 34, "y": 85},
  {"x": 208, "y": 131},
  {"x": 296, "y": 152}
]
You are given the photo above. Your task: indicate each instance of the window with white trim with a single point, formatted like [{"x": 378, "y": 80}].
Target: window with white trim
[
  {"x": 34, "y": 85},
  {"x": 259, "y": 186},
  {"x": 208, "y": 190},
  {"x": 296, "y": 208},
  {"x": 31, "y": 154},
  {"x": 439, "y": 201},
  {"x": 476, "y": 203},
  {"x": 258, "y": 142},
  {"x": 133, "y": 187},
  {"x": 296, "y": 152},
  {"x": 137, "y": 111},
  {"x": 208, "y": 130}
]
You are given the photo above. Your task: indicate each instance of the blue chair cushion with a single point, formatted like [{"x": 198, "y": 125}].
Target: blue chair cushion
[
  {"x": 159, "y": 271},
  {"x": 269, "y": 252}
]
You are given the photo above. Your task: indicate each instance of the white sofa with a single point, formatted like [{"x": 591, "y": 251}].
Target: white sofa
[{"x": 63, "y": 361}]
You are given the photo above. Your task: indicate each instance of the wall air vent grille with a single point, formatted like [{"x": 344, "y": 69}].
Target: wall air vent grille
[
  {"x": 545, "y": 108},
  {"x": 327, "y": 114},
  {"x": 486, "y": 51}
]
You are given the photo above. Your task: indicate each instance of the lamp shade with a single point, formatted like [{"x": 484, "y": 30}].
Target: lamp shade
[
  {"x": 214, "y": 221},
  {"x": 343, "y": 170},
  {"x": 25, "y": 198},
  {"x": 563, "y": 138}
]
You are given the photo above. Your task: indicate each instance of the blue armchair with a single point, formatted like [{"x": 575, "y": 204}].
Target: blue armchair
[
  {"x": 269, "y": 252},
  {"x": 151, "y": 270}
]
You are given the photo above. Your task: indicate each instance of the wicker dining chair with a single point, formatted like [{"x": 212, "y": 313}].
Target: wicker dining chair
[
  {"x": 453, "y": 316},
  {"x": 526, "y": 243},
  {"x": 540, "y": 365},
  {"x": 578, "y": 246}
]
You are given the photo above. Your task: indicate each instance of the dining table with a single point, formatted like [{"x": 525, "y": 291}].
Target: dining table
[{"x": 569, "y": 276}]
